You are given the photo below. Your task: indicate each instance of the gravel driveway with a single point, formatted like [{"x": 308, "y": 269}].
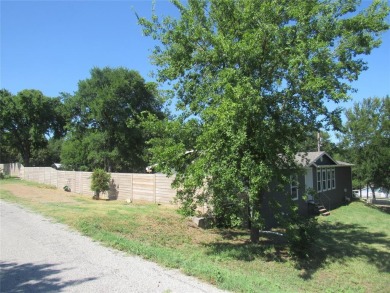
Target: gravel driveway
[{"x": 37, "y": 255}]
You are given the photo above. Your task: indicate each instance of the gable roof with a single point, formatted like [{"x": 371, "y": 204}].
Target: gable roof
[{"x": 307, "y": 159}]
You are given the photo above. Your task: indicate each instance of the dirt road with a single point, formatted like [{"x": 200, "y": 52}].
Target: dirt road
[{"x": 37, "y": 255}]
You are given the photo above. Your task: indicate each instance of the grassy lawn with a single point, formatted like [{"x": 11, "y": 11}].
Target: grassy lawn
[{"x": 351, "y": 253}]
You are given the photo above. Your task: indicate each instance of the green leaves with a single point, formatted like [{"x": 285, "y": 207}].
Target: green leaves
[
  {"x": 104, "y": 125},
  {"x": 254, "y": 77},
  {"x": 100, "y": 182},
  {"x": 367, "y": 139},
  {"x": 28, "y": 119}
]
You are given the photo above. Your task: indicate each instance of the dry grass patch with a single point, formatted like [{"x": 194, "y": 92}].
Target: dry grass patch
[{"x": 38, "y": 192}]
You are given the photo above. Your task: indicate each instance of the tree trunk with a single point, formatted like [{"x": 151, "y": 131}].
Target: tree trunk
[
  {"x": 96, "y": 195},
  {"x": 255, "y": 234},
  {"x": 254, "y": 220},
  {"x": 373, "y": 192},
  {"x": 26, "y": 160}
]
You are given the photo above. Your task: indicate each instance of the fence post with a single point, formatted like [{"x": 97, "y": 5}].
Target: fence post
[
  {"x": 155, "y": 196},
  {"x": 132, "y": 187},
  {"x": 81, "y": 185},
  {"x": 74, "y": 181}
]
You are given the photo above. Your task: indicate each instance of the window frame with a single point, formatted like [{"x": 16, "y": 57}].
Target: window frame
[
  {"x": 326, "y": 178},
  {"x": 324, "y": 181},
  {"x": 294, "y": 185},
  {"x": 319, "y": 181},
  {"x": 333, "y": 175}
]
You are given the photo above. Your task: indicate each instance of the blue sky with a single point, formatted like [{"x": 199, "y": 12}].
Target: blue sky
[{"x": 51, "y": 45}]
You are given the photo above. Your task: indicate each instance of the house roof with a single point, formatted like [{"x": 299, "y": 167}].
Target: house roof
[
  {"x": 307, "y": 159},
  {"x": 343, "y": 163}
]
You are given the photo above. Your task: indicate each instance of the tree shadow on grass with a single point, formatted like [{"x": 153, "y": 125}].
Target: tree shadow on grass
[
  {"x": 29, "y": 277},
  {"x": 270, "y": 248},
  {"x": 113, "y": 192},
  {"x": 334, "y": 243},
  {"x": 338, "y": 242}
]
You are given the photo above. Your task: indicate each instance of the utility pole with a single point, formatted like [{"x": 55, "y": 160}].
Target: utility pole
[{"x": 318, "y": 141}]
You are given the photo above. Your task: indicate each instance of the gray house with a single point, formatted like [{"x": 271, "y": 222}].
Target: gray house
[{"x": 325, "y": 185}]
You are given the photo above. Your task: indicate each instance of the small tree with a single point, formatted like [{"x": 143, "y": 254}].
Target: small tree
[{"x": 100, "y": 182}]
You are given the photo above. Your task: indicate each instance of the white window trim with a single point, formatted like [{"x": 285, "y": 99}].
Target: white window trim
[
  {"x": 294, "y": 183},
  {"x": 327, "y": 176},
  {"x": 319, "y": 181},
  {"x": 333, "y": 175},
  {"x": 324, "y": 181}
]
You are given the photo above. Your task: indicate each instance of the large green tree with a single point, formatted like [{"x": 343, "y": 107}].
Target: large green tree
[
  {"x": 252, "y": 78},
  {"x": 367, "y": 141},
  {"x": 103, "y": 128},
  {"x": 27, "y": 120}
]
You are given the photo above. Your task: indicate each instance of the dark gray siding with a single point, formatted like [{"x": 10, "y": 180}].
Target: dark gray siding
[
  {"x": 336, "y": 197},
  {"x": 282, "y": 197},
  {"x": 331, "y": 198}
]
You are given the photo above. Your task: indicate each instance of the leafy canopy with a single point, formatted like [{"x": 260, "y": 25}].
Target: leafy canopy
[
  {"x": 252, "y": 79},
  {"x": 101, "y": 135},
  {"x": 27, "y": 120},
  {"x": 367, "y": 141}
]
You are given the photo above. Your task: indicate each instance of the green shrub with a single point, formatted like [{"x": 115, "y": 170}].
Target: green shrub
[
  {"x": 3, "y": 175},
  {"x": 100, "y": 182},
  {"x": 301, "y": 236},
  {"x": 84, "y": 169}
]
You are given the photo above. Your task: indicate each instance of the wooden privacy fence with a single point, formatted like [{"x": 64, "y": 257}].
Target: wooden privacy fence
[{"x": 135, "y": 187}]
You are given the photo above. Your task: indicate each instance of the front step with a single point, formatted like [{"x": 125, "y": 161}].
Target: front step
[
  {"x": 323, "y": 211},
  {"x": 320, "y": 209}
]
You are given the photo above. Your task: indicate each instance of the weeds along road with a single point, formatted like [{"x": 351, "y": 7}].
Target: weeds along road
[{"x": 37, "y": 255}]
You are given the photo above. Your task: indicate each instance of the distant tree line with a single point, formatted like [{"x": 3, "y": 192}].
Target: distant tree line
[{"x": 96, "y": 127}]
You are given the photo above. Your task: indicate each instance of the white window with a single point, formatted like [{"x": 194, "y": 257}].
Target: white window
[
  {"x": 333, "y": 179},
  {"x": 294, "y": 187},
  {"x": 326, "y": 179},
  {"x": 319, "y": 180},
  {"x": 323, "y": 179}
]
